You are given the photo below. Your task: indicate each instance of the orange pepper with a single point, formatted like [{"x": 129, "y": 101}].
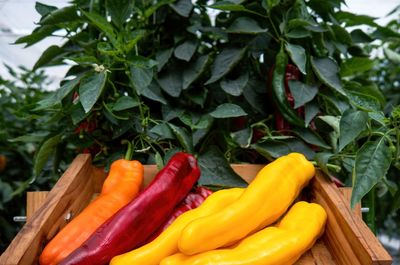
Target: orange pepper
[{"x": 121, "y": 186}]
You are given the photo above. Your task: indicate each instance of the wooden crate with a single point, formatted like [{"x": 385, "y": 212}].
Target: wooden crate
[{"x": 347, "y": 240}]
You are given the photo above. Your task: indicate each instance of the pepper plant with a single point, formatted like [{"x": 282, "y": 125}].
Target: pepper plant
[
  {"x": 17, "y": 96},
  {"x": 253, "y": 82}
]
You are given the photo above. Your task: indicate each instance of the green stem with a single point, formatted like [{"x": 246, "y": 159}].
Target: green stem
[
  {"x": 129, "y": 150},
  {"x": 397, "y": 145},
  {"x": 332, "y": 167}
]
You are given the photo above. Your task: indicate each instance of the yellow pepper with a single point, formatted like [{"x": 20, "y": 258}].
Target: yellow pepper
[
  {"x": 266, "y": 198},
  {"x": 166, "y": 243},
  {"x": 284, "y": 244}
]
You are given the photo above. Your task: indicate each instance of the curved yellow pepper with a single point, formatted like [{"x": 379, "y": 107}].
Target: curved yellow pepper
[
  {"x": 284, "y": 244},
  {"x": 266, "y": 198},
  {"x": 166, "y": 243}
]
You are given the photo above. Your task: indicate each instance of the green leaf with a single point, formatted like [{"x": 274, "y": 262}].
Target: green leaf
[
  {"x": 228, "y": 110},
  {"x": 310, "y": 137},
  {"x": 60, "y": 94},
  {"x": 378, "y": 116},
  {"x": 342, "y": 35},
  {"x": 84, "y": 60},
  {"x": 186, "y": 50},
  {"x": 29, "y": 138},
  {"x": 77, "y": 113},
  {"x": 153, "y": 8},
  {"x": 119, "y": 11},
  {"x": 322, "y": 160},
  {"x": 153, "y": 92},
  {"x": 298, "y": 55},
  {"x": 352, "y": 19},
  {"x": 182, "y": 7},
  {"x": 245, "y": 25},
  {"x": 183, "y": 137},
  {"x": 43, "y": 9},
  {"x": 253, "y": 97},
  {"x": 107, "y": 48},
  {"x": 332, "y": 121},
  {"x": 352, "y": 123},
  {"x": 90, "y": 89},
  {"x": 271, "y": 4},
  {"x": 385, "y": 33},
  {"x": 364, "y": 101},
  {"x": 302, "y": 93},
  {"x": 242, "y": 137},
  {"x": 171, "y": 82},
  {"x": 132, "y": 38},
  {"x": 101, "y": 23},
  {"x": 372, "y": 163},
  {"x": 125, "y": 102},
  {"x": 271, "y": 148},
  {"x": 310, "y": 111},
  {"x": 327, "y": 71},
  {"x": 142, "y": 62},
  {"x": 233, "y": 6},
  {"x": 216, "y": 171},
  {"x": 359, "y": 36},
  {"x": 371, "y": 90},
  {"x": 43, "y": 154},
  {"x": 392, "y": 55},
  {"x": 62, "y": 15},
  {"x": 50, "y": 54},
  {"x": 224, "y": 63},
  {"x": 163, "y": 57},
  {"x": 356, "y": 65},
  {"x": 235, "y": 87},
  {"x": 37, "y": 35},
  {"x": 194, "y": 70},
  {"x": 163, "y": 131},
  {"x": 141, "y": 78}
]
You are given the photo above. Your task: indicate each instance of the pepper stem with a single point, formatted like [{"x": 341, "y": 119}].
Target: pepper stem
[{"x": 129, "y": 150}]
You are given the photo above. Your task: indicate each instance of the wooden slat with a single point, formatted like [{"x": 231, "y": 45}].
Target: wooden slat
[
  {"x": 346, "y": 191},
  {"x": 70, "y": 194},
  {"x": 347, "y": 236},
  {"x": 34, "y": 200},
  {"x": 321, "y": 254},
  {"x": 306, "y": 259}
]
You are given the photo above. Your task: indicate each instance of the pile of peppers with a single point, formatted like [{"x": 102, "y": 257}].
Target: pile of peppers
[{"x": 173, "y": 222}]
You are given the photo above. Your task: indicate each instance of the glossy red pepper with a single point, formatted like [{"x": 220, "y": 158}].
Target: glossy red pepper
[
  {"x": 193, "y": 200},
  {"x": 132, "y": 225}
]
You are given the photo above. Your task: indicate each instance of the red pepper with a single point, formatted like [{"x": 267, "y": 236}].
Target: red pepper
[
  {"x": 132, "y": 225},
  {"x": 193, "y": 200}
]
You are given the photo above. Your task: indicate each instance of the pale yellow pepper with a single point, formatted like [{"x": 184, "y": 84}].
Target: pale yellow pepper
[
  {"x": 166, "y": 243},
  {"x": 267, "y": 197},
  {"x": 284, "y": 244}
]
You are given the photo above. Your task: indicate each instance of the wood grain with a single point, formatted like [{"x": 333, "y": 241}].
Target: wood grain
[
  {"x": 70, "y": 194},
  {"x": 34, "y": 200},
  {"x": 346, "y": 191},
  {"x": 348, "y": 238}
]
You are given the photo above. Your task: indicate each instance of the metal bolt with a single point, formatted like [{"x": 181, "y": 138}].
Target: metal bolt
[
  {"x": 19, "y": 219},
  {"x": 68, "y": 216},
  {"x": 365, "y": 209}
]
